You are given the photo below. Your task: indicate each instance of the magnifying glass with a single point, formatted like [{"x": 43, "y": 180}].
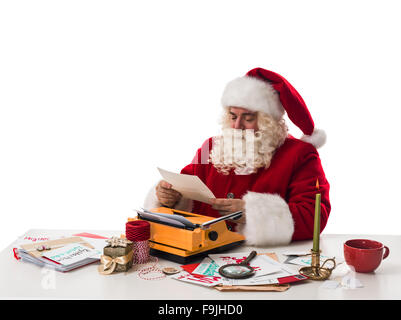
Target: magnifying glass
[{"x": 238, "y": 270}]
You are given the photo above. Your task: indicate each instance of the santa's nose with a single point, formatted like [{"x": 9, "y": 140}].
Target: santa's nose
[{"x": 238, "y": 123}]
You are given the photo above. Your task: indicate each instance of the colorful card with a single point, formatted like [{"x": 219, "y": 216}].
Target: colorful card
[
  {"x": 306, "y": 261},
  {"x": 89, "y": 235},
  {"x": 290, "y": 279},
  {"x": 207, "y": 267},
  {"x": 189, "y": 267},
  {"x": 70, "y": 254},
  {"x": 197, "y": 279}
]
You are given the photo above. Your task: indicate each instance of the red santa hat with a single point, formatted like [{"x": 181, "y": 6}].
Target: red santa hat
[{"x": 268, "y": 92}]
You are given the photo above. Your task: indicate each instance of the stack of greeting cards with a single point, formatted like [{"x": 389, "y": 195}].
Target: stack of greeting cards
[{"x": 61, "y": 254}]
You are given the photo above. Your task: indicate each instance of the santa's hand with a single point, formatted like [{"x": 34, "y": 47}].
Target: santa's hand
[
  {"x": 227, "y": 206},
  {"x": 166, "y": 195}
]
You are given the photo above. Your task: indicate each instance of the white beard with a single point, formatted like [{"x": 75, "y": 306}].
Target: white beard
[{"x": 245, "y": 151}]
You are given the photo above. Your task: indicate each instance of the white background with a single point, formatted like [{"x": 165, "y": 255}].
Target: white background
[{"x": 95, "y": 94}]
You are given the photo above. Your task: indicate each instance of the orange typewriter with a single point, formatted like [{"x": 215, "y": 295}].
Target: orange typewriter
[{"x": 183, "y": 237}]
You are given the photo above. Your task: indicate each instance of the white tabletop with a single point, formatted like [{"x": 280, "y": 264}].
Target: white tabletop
[{"x": 22, "y": 280}]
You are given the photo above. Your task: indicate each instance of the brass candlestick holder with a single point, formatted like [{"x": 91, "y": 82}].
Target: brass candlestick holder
[{"x": 315, "y": 271}]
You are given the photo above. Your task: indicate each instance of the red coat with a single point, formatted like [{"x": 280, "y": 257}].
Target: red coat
[
  {"x": 279, "y": 201},
  {"x": 292, "y": 175}
]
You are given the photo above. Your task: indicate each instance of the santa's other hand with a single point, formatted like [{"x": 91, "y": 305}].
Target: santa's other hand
[{"x": 227, "y": 206}]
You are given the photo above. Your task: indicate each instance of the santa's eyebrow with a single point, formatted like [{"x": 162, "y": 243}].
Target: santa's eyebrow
[{"x": 243, "y": 114}]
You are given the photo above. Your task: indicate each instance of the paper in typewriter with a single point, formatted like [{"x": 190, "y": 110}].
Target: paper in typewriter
[{"x": 190, "y": 186}]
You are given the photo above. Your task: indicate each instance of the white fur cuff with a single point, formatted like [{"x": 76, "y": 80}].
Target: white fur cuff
[
  {"x": 152, "y": 202},
  {"x": 268, "y": 220}
]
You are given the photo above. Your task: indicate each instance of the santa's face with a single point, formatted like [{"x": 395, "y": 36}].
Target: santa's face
[
  {"x": 241, "y": 118},
  {"x": 247, "y": 142}
]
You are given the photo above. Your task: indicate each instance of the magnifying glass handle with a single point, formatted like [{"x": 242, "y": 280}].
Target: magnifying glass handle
[{"x": 249, "y": 258}]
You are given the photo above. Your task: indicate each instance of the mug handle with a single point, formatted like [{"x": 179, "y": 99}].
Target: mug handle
[{"x": 386, "y": 252}]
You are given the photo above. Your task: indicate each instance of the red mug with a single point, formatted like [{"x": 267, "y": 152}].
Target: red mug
[{"x": 364, "y": 255}]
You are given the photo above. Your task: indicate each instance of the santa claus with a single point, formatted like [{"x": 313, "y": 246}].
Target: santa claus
[{"x": 255, "y": 166}]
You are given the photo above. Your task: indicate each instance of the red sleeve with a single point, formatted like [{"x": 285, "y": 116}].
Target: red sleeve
[{"x": 302, "y": 192}]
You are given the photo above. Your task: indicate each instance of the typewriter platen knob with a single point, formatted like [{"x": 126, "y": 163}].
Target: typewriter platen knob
[{"x": 213, "y": 235}]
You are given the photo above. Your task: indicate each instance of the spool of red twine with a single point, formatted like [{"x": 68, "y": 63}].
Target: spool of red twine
[{"x": 138, "y": 232}]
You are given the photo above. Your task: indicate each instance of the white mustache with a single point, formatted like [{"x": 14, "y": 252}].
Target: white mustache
[{"x": 238, "y": 146}]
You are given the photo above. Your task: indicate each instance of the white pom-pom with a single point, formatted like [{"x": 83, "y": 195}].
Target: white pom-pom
[{"x": 317, "y": 138}]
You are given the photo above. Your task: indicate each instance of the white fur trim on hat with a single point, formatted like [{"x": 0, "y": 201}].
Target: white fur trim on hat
[
  {"x": 317, "y": 138},
  {"x": 268, "y": 220},
  {"x": 253, "y": 94},
  {"x": 152, "y": 202}
]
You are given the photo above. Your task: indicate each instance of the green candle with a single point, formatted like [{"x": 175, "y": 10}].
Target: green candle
[{"x": 316, "y": 230}]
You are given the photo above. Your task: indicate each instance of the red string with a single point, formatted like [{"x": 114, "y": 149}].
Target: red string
[
  {"x": 137, "y": 230},
  {"x": 139, "y": 233},
  {"x": 153, "y": 269}
]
